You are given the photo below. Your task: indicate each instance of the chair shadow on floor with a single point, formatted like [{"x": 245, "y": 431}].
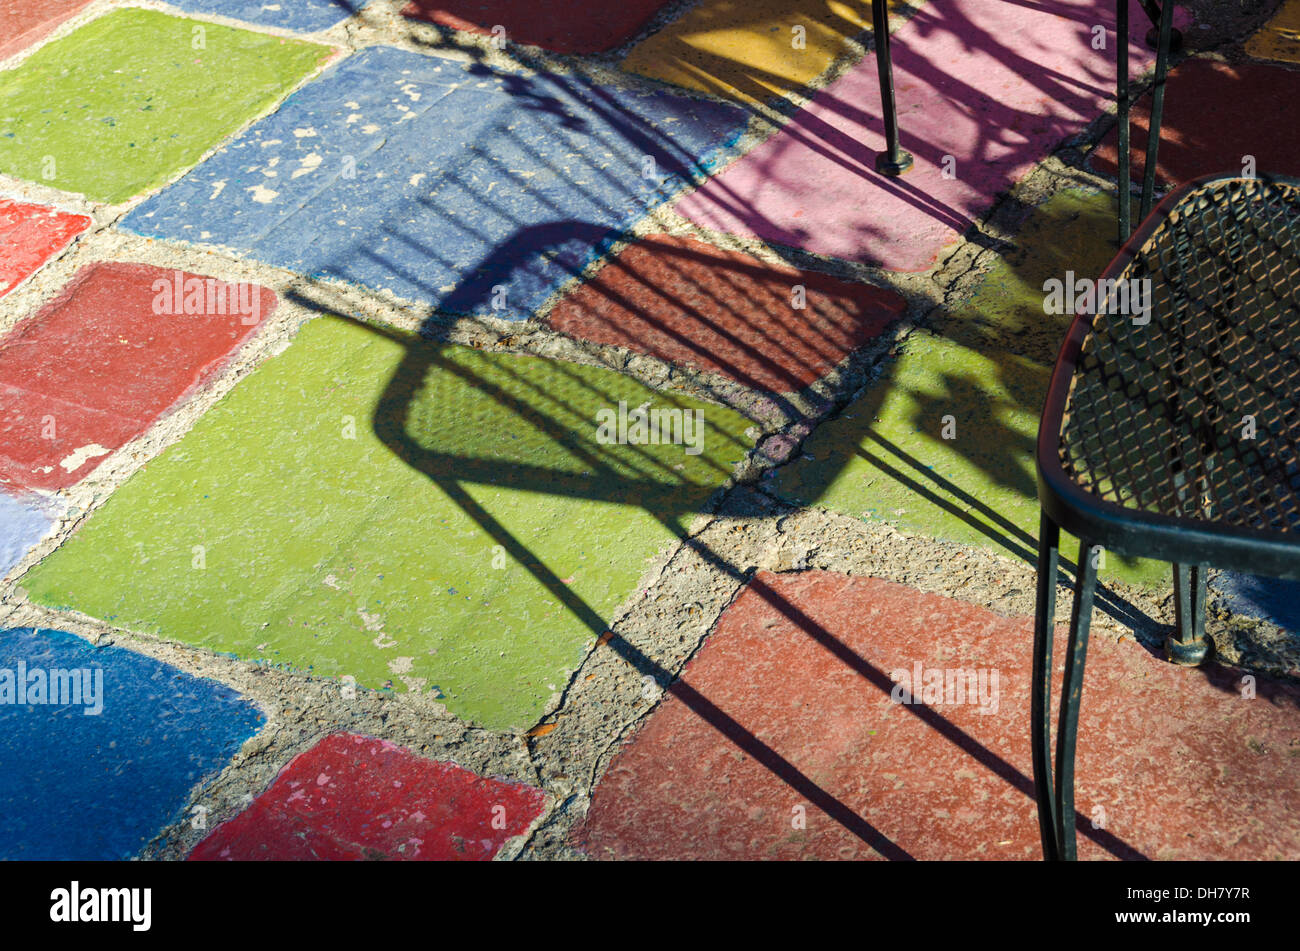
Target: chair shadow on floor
[{"x": 563, "y": 455}]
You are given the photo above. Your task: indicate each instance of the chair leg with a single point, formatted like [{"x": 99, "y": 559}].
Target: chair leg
[
  {"x": 1071, "y": 693},
  {"x": 1049, "y": 537},
  {"x": 1157, "y": 108},
  {"x": 1190, "y": 647},
  {"x": 1122, "y": 111},
  {"x": 894, "y": 160}
]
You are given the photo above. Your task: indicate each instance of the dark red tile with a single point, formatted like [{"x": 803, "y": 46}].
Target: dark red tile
[
  {"x": 564, "y": 26},
  {"x": 726, "y": 312},
  {"x": 1216, "y": 114},
  {"x": 356, "y": 797}
]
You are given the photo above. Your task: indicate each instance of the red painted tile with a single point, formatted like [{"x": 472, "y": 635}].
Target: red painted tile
[
  {"x": 725, "y": 312},
  {"x": 565, "y": 26},
  {"x": 355, "y": 797},
  {"x": 1215, "y": 114},
  {"x": 96, "y": 366},
  {"x": 24, "y": 22},
  {"x": 29, "y": 236},
  {"x": 788, "y": 705}
]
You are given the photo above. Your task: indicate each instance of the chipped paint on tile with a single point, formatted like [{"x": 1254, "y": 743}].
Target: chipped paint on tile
[{"x": 479, "y": 227}]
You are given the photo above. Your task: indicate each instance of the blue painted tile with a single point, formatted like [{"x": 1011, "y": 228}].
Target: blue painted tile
[
  {"x": 442, "y": 181},
  {"x": 1269, "y": 598},
  {"x": 23, "y": 522},
  {"x": 75, "y": 784},
  {"x": 304, "y": 15}
]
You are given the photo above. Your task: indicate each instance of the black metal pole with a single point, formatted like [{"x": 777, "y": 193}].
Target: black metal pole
[
  {"x": 1157, "y": 109},
  {"x": 894, "y": 160},
  {"x": 1121, "y": 101}
]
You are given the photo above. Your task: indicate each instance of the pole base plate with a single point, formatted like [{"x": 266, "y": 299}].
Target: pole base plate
[
  {"x": 1186, "y": 654},
  {"x": 888, "y": 166}
]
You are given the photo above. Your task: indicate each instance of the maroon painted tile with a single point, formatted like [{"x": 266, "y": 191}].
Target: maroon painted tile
[
  {"x": 783, "y": 739},
  {"x": 356, "y": 797},
  {"x": 564, "y": 26},
  {"x": 29, "y": 236},
  {"x": 96, "y": 366},
  {"x": 726, "y": 312},
  {"x": 1215, "y": 115}
]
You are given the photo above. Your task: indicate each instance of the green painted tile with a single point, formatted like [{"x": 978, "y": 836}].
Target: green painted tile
[
  {"x": 1074, "y": 230},
  {"x": 340, "y": 512},
  {"x": 136, "y": 96},
  {"x": 886, "y": 457}
]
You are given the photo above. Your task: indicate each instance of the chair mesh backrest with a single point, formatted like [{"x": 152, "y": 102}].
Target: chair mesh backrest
[{"x": 1194, "y": 414}]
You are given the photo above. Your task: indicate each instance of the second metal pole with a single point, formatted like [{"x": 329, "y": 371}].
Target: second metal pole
[{"x": 894, "y": 160}]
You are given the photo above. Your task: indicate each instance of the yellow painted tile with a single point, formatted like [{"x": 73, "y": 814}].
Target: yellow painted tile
[
  {"x": 750, "y": 50},
  {"x": 1279, "y": 38}
]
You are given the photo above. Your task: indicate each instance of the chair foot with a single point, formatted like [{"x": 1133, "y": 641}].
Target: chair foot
[
  {"x": 891, "y": 167},
  {"x": 1186, "y": 654},
  {"x": 1175, "y": 39},
  {"x": 1187, "y": 645}
]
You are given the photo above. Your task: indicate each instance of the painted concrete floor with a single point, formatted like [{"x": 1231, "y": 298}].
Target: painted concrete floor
[{"x": 467, "y": 430}]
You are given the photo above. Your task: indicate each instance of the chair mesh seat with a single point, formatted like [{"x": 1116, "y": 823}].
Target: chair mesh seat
[{"x": 1194, "y": 414}]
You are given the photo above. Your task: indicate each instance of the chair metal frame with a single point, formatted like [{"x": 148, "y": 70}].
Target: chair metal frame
[
  {"x": 1190, "y": 544},
  {"x": 1064, "y": 504}
]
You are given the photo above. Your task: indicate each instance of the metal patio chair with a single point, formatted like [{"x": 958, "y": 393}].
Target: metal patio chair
[{"x": 1174, "y": 437}]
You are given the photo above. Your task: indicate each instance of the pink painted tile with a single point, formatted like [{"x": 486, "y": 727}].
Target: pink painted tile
[
  {"x": 357, "y": 797},
  {"x": 29, "y": 236},
  {"x": 995, "y": 84}
]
